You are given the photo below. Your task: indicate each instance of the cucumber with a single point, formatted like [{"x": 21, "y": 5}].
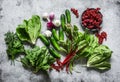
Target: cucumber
[
  {"x": 54, "y": 53},
  {"x": 61, "y": 34},
  {"x": 68, "y": 16},
  {"x": 44, "y": 40},
  {"x": 54, "y": 43},
  {"x": 54, "y": 33},
  {"x": 63, "y": 21}
]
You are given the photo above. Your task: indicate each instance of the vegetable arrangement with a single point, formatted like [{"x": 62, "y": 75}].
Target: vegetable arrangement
[{"x": 75, "y": 46}]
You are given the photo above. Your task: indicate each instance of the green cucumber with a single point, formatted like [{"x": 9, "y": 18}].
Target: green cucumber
[
  {"x": 54, "y": 33},
  {"x": 54, "y": 53},
  {"x": 63, "y": 21},
  {"x": 54, "y": 43},
  {"x": 61, "y": 34},
  {"x": 68, "y": 16},
  {"x": 44, "y": 40}
]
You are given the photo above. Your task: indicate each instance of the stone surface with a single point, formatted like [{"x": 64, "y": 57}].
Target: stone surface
[{"x": 12, "y": 12}]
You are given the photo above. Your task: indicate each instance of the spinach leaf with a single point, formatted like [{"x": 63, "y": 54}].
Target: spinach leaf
[{"x": 37, "y": 59}]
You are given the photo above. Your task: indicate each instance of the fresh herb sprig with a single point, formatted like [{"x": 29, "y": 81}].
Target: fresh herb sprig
[{"x": 14, "y": 45}]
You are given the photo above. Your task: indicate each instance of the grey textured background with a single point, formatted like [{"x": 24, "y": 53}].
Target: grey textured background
[{"x": 12, "y": 12}]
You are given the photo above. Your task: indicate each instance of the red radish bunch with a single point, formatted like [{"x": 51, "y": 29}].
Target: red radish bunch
[{"x": 92, "y": 18}]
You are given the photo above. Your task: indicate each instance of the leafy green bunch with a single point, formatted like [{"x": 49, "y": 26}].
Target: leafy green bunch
[
  {"x": 85, "y": 45},
  {"x": 37, "y": 59}
]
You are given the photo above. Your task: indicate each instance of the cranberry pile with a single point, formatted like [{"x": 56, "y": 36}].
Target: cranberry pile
[
  {"x": 92, "y": 18},
  {"x": 75, "y": 12},
  {"x": 101, "y": 36}
]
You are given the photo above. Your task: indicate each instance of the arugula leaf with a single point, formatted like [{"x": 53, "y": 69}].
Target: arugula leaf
[
  {"x": 37, "y": 59},
  {"x": 29, "y": 30},
  {"x": 14, "y": 45}
]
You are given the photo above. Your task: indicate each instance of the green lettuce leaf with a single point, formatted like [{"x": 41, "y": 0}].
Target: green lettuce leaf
[
  {"x": 100, "y": 55},
  {"x": 29, "y": 30},
  {"x": 102, "y": 66}
]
